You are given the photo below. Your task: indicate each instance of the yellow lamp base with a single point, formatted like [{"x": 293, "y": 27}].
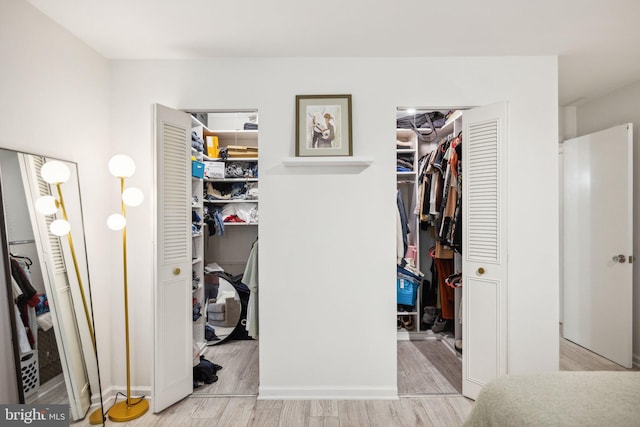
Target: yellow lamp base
[
  {"x": 96, "y": 417},
  {"x": 121, "y": 412}
]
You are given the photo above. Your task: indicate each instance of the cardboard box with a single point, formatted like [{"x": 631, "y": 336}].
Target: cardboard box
[
  {"x": 212, "y": 146},
  {"x": 240, "y": 151},
  {"x": 214, "y": 169}
]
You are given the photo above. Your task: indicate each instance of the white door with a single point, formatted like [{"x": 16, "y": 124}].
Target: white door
[
  {"x": 58, "y": 283},
  {"x": 484, "y": 253},
  {"x": 598, "y": 242},
  {"x": 173, "y": 355}
]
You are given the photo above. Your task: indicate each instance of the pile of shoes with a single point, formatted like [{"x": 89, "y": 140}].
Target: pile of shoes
[
  {"x": 432, "y": 320},
  {"x": 406, "y": 321}
]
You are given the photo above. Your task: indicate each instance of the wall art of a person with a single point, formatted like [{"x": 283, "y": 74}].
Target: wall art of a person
[{"x": 328, "y": 134}]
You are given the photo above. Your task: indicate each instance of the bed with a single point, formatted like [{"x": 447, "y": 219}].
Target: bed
[{"x": 559, "y": 399}]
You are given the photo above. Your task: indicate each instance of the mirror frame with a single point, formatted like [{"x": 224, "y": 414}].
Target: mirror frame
[{"x": 5, "y": 253}]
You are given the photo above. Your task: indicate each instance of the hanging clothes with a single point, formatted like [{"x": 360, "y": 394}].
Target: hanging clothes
[
  {"x": 440, "y": 208},
  {"x": 455, "y": 235},
  {"x": 444, "y": 268},
  {"x": 27, "y": 295},
  {"x": 403, "y": 228},
  {"x": 23, "y": 278},
  {"x": 452, "y": 199},
  {"x": 250, "y": 278}
]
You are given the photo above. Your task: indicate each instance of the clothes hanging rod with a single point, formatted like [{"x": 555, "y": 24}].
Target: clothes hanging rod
[{"x": 21, "y": 242}]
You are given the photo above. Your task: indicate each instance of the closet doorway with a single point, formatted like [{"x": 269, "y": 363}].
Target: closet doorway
[
  {"x": 206, "y": 177},
  {"x": 451, "y": 231},
  {"x": 225, "y": 266}
]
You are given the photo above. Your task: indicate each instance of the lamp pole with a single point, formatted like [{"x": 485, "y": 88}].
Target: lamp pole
[
  {"x": 77, "y": 269},
  {"x": 56, "y": 173},
  {"x": 122, "y": 167}
]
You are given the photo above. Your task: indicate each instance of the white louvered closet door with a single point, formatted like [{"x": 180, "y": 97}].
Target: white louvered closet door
[
  {"x": 484, "y": 246},
  {"x": 173, "y": 367},
  {"x": 58, "y": 281}
]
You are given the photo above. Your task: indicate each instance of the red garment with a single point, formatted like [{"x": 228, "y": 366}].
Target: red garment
[
  {"x": 444, "y": 268},
  {"x": 232, "y": 218}
]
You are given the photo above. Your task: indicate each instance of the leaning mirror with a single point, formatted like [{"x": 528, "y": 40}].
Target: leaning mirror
[
  {"x": 224, "y": 309},
  {"x": 47, "y": 283}
]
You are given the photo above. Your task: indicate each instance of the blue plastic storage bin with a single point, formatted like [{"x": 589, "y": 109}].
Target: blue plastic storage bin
[
  {"x": 407, "y": 291},
  {"x": 197, "y": 169}
]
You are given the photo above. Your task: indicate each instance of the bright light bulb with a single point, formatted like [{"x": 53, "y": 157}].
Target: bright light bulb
[
  {"x": 60, "y": 227},
  {"x": 132, "y": 196},
  {"x": 122, "y": 166},
  {"x": 411, "y": 110},
  {"x": 55, "y": 172},
  {"x": 116, "y": 222},
  {"x": 47, "y": 205}
]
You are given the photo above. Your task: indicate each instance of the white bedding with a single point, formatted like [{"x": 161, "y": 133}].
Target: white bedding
[{"x": 559, "y": 399}]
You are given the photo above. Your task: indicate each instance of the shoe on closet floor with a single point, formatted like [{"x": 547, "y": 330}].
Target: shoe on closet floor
[
  {"x": 430, "y": 315},
  {"x": 440, "y": 325},
  {"x": 407, "y": 323}
]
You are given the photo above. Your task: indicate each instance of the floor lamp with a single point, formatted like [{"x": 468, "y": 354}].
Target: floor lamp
[
  {"x": 56, "y": 173},
  {"x": 122, "y": 167}
]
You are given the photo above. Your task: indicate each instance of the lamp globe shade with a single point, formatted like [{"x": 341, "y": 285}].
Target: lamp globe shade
[
  {"x": 122, "y": 166},
  {"x": 116, "y": 222},
  {"x": 132, "y": 196},
  {"x": 55, "y": 172},
  {"x": 60, "y": 227},
  {"x": 47, "y": 205}
]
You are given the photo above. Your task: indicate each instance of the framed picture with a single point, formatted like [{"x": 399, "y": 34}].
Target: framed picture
[{"x": 323, "y": 125}]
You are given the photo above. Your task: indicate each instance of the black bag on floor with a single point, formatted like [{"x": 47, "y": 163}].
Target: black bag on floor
[{"x": 205, "y": 371}]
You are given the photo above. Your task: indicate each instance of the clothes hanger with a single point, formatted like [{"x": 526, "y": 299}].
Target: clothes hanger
[{"x": 27, "y": 259}]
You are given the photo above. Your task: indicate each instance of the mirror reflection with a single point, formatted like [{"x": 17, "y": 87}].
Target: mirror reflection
[
  {"x": 48, "y": 285},
  {"x": 226, "y": 296}
]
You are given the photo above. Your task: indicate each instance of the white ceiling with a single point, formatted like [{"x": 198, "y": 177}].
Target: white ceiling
[{"x": 597, "y": 41}]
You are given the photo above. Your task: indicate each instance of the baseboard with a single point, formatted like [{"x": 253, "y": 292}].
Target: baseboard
[
  {"x": 109, "y": 395},
  {"x": 328, "y": 393}
]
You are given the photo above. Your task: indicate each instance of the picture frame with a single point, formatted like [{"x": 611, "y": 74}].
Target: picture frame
[{"x": 323, "y": 125}]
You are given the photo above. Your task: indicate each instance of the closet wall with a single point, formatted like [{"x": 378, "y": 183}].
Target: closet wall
[{"x": 327, "y": 233}]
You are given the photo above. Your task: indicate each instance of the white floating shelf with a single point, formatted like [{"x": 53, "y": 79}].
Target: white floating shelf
[
  {"x": 327, "y": 161},
  {"x": 231, "y": 179},
  {"x": 218, "y": 201},
  {"x": 231, "y": 159}
]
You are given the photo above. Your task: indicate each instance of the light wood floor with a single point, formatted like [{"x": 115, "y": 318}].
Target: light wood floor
[
  {"x": 428, "y": 367},
  {"x": 576, "y": 358},
  {"x": 239, "y": 374},
  {"x": 438, "y": 403},
  {"x": 53, "y": 391},
  {"x": 443, "y": 411}
]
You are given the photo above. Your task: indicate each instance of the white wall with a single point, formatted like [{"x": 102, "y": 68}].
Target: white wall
[
  {"x": 327, "y": 290},
  {"x": 55, "y": 102},
  {"x": 619, "y": 107},
  {"x": 327, "y": 277}
]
